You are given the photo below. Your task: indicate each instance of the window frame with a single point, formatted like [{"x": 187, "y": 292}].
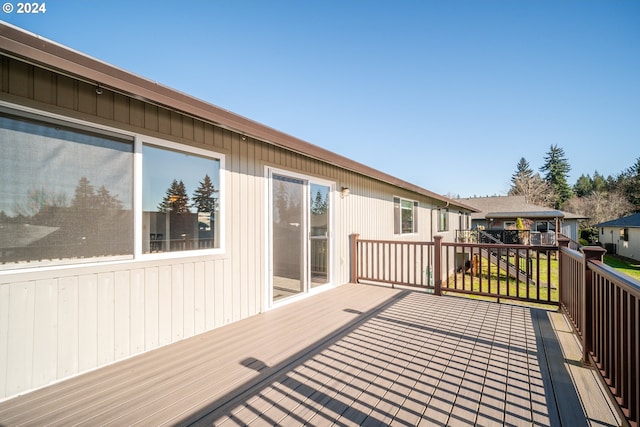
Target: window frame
[
  {"x": 142, "y": 140},
  {"x": 397, "y": 216},
  {"x": 443, "y": 220},
  {"x": 138, "y": 140}
]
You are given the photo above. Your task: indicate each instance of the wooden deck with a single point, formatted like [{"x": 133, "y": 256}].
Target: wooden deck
[{"x": 354, "y": 355}]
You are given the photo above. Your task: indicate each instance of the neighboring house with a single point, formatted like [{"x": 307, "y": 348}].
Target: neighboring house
[
  {"x": 133, "y": 216},
  {"x": 621, "y": 236},
  {"x": 502, "y": 213}
]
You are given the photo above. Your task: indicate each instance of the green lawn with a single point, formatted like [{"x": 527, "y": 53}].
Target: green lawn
[
  {"x": 630, "y": 268},
  {"x": 496, "y": 281}
]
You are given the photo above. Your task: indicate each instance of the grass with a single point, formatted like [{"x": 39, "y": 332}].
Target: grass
[
  {"x": 624, "y": 265},
  {"x": 495, "y": 281}
]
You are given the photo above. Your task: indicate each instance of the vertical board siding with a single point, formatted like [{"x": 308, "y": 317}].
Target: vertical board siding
[
  {"x": 105, "y": 315},
  {"x": 199, "y": 298},
  {"x": 151, "y": 308},
  {"x": 87, "y": 322},
  {"x": 136, "y": 310},
  {"x": 177, "y": 302},
  {"x": 189, "y": 301},
  {"x": 68, "y": 311},
  {"x": 45, "y": 334},
  {"x": 73, "y": 320},
  {"x": 19, "y": 342},
  {"x": 164, "y": 305},
  {"x": 121, "y": 314}
]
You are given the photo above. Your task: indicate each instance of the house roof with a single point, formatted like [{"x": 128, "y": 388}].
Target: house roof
[
  {"x": 25, "y": 46},
  {"x": 507, "y": 207},
  {"x": 627, "y": 222}
]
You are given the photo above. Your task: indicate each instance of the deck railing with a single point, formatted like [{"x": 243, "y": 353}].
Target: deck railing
[
  {"x": 500, "y": 271},
  {"x": 603, "y": 305}
]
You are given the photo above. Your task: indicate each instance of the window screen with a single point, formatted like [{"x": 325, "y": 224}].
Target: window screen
[{"x": 65, "y": 193}]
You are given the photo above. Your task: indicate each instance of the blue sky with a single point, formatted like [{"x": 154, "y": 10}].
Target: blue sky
[{"x": 448, "y": 95}]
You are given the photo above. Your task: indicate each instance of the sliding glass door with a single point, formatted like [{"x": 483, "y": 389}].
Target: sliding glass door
[{"x": 300, "y": 235}]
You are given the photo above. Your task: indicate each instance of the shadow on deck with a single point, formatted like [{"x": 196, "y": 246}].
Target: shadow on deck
[{"x": 354, "y": 355}]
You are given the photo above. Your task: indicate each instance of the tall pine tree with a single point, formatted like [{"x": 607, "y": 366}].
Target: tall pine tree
[
  {"x": 556, "y": 166},
  {"x": 204, "y": 199}
]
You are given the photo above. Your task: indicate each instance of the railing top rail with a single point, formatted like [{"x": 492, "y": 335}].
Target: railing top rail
[
  {"x": 502, "y": 246},
  {"x": 397, "y": 242},
  {"x": 572, "y": 253},
  {"x": 625, "y": 282}
]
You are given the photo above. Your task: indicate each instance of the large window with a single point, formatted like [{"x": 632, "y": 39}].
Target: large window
[
  {"x": 180, "y": 201},
  {"x": 65, "y": 193},
  {"x": 405, "y": 216},
  {"x": 71, "y": 193}
]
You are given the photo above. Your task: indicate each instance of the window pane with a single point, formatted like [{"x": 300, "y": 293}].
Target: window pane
[
  {"x": 180, "y": 199},
  {"x": 407, "y": 216},
  {"x": 443, "y": 220},
  {"x": 64, "y": 193},
  {"x": 396, "y": 215}
]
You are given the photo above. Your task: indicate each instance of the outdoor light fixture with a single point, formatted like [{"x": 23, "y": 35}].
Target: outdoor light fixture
[
  {"x": 344, "y": 192},
  {"x": 99, "y": 90}
]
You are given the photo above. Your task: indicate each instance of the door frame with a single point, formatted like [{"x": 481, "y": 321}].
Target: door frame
[{"x": 268, "y": 302}]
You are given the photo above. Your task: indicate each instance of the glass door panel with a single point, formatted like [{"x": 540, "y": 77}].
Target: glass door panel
[
  {"x": 319, "y": 234},
  {"x": 288, "y": 216}
]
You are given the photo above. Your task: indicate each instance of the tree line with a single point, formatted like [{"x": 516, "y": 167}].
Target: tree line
[{"x": 595, "y": 197}]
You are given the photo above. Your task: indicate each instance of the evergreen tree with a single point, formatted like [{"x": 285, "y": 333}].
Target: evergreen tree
[
  {"x": 523, "y": 172},
  {"x": 175, "y": 199},
  {"x": 557, "y": 168},
  {"x": 630, "y": 185},
  {"x": 531, "y": 186},
  {"x": 584, "y": 186},
  {"x": 105, "y": 201},
  {"x": 599, "y": 183},
  {"x": 203, "y": 198},
  {"x": 84, "y": 196},
  {"x": 319, "y": 205}
]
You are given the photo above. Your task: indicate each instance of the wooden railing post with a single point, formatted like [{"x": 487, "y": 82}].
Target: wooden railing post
[
  {"x": 437, "y": 265},
  {"x": 590, "y": 253},
  {"x": 563, "y": 242},
  {"x": 353, "y": 253}
]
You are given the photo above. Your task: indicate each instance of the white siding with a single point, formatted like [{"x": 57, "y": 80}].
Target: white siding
[{"x": 59, "y": 322}]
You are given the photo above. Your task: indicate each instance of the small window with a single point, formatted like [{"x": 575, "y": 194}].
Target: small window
[
  {"x": 443, "y": 219},
  {"x": 405, "y": 216},
  {"x": 180, "y": 201},
  {"x": 624, "y": 234}
]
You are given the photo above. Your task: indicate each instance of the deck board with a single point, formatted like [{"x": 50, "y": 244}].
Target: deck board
[{"x": 354, "y": 355}]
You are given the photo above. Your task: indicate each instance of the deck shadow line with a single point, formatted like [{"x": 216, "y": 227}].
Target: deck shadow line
[{"x": 269, "y": 374}]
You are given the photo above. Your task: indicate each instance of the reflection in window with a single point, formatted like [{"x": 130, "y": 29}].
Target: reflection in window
[
  {"x": 180, "y": 201},
  {"x": 64, "y": 193}
]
